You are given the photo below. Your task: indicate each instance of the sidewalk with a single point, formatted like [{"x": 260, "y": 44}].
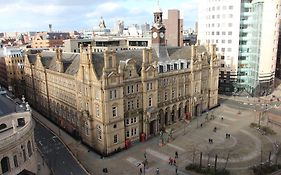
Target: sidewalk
[{"x": 42, "y": 166}]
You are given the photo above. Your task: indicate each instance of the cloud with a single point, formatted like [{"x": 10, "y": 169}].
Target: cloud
[{"x": 22, "y": 15}]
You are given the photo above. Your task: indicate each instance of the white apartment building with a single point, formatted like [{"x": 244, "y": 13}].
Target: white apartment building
[{"x": 246, "y": 35}]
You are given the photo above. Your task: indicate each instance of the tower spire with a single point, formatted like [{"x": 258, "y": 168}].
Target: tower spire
[{"x": 158, "y": 9}]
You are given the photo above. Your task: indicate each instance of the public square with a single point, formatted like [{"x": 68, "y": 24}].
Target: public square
[{"x": 242, "y": 149}]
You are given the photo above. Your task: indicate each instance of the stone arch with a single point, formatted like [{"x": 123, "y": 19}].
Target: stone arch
[
  {"x": 58, "y": 109},
  {"x": 5, "y": 165},
  {"x": 173, "y": 113},
  {"x": 167, "y": 118},
  {"x": 161, "y": 118},
  {"x": 62, "y": 111},
  {"x": 180, "y": 111},
  {"x": 66, "y": 113}
]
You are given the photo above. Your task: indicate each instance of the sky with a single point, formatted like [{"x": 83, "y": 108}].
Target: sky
[{"x": 69, "y": 15}]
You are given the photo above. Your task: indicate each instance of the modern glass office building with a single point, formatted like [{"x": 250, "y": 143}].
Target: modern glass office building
[{"x": 246, "y": 35}]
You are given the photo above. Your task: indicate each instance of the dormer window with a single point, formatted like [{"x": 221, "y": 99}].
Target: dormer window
[
  {"x": 161, "y": 69},
  {"x": 168, "y": 67},
  {"x": 175, "y": 66}
]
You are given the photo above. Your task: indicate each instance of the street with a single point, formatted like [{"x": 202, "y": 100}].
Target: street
[{"x": 55, "y": 153}]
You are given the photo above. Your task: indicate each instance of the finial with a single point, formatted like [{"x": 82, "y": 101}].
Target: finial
[
  {"x": 23, "y": 99},
  {"x": 27, "y": 106},
  {"x": 158, "y": 9}
]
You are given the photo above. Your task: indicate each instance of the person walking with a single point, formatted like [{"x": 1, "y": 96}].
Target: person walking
[
  {"x": 157, "y": 171},
  {"x": 176, "y": 170},
  {"x": 176, "y": 155},
  {"x": 170, "y": 161},
  {"x": 140, "y": 171},
  {"x": 175, "y": 162}
]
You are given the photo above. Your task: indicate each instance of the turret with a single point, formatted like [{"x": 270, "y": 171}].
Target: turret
[{"x": 59, "y": 62}]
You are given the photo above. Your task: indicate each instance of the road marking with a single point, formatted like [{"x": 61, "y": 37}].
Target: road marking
[
  {"x": 40, "y": 143},
  {"x": 157, "y": 154},
  {"x": 176, "y": 147}
]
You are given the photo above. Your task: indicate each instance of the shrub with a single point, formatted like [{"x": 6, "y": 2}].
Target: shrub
[{"x": 253, "y": 125}]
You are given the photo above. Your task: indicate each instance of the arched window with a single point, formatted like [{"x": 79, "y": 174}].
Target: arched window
[
  {"x": 5, "y": 165},
  {"x": 29, "y": 149},
  {"x": 99, "y": 132}
]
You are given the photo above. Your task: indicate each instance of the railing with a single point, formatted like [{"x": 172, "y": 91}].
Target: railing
[{"x": 19, "y": 134}]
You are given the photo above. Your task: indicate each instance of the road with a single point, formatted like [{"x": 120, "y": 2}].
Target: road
[
  {"x": 7, "y": 105},
  {"x": 55, "y": 153}
]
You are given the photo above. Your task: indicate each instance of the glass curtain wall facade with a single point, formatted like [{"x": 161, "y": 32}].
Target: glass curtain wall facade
[{"x": 249, "y": 45}]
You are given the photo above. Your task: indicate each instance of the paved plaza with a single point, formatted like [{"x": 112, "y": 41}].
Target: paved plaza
[{"x": 242, "y": 149}]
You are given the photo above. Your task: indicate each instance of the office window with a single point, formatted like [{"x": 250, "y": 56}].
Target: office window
[
  {"x": 114, "y": 111},
  {"x": 223, "y": 41},
  {"x": 229, "y": 33},
  {"x": 229, "y": 49},
  {"x": 137, "y": 103},
  {"x": 97, "y": 111},
  {"x": 149, "y": 102},
  {"x": 99, "y": 135},
  {"x": 112, "y": 94},
  {"x": 229, "y": 41},
  {"x": 115, "y": 138},
  {"x": 128, "y": 105},
  {"x": 230, "y": 7},
  {"x": 223, "y": 33}
]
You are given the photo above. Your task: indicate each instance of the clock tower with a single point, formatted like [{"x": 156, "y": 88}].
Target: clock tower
[{"x": 158, "y": 29}]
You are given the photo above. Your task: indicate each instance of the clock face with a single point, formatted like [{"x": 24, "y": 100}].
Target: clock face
[
  {"x": 161, "y": 35},
  {"x": 154, "y": 35}
]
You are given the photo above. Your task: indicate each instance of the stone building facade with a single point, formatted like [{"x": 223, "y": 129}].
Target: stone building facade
[
  {"x": 111, "y": 98},
  {"x": 17, "y": 147},
  {"x": 12, "y": 70}
]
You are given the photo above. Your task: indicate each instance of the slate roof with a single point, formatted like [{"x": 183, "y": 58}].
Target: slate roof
[
  {"x": 183, "y": 52},
  {"x": 48, "y": 60},
  {"x": 122, "y": 55},
  {"x": 71, "y": 60}
]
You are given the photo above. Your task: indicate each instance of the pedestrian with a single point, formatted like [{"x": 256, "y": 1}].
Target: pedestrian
[
  {"x": 140, "y": 170},
  {"x": 175, "y": 162},
  {"x": 176, "y": 170},
  {"x": 176, "y": 155},
  {"x": 170, "y": 161},
  {"x": 157, "y": 171},
  {"x": 144, "y": 154}
]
